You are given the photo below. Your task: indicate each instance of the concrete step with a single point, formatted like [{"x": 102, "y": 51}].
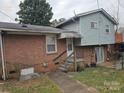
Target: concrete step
[
  {"x": 70, "y": 59},
  {"x": 63, "y": 65},
  {"x": 67, "y": 63},
  {"x": 63, "y": 69}
]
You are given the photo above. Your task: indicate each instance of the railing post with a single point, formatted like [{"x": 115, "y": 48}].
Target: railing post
[{"x": 75, "y": 63}]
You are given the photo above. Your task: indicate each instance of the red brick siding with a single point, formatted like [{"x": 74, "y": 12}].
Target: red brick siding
[
  {"x": 118, "y": 37},
  {"x": 110, "y": 50},
  {"x": 88, "y": 53},
  {"x": 29, "y": 49}
]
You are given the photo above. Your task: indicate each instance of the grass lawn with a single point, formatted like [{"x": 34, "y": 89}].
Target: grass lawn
[
  {"x": 103, "y": 79},
  {"x": 41, "y": 85}
]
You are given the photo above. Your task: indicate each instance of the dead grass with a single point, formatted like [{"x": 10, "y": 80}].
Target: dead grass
[
  {"x": 106, "y": 80},
  {"x": 41, "y": 85}
]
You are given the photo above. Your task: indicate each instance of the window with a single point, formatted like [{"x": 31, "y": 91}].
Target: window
[
  {"x": 70, "y": 47},
  {"x": 107, "y": 29},
  {"x": 51, "y": 44},
  {"x": 70, "y": 44},
  {"x": 93, "y": 25}
]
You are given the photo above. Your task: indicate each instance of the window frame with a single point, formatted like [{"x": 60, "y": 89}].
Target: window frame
[
  {"x": 107, "y": 28},
  {"x": 70, "y": 43},
  {"x": 94, "y": 25},
  {"x": 51, "y": 52}
]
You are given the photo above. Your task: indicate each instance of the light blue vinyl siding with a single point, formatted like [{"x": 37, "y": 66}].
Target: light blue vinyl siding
[
  {"x": 97, "y": 36},
  {"x": 73, "y": 26}
]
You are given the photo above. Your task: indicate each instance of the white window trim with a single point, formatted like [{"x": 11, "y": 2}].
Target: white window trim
[
  {"x": 108, "y": 28},
  {"x": 96, "y": 24},
  {"x": 52, "y": 52}
]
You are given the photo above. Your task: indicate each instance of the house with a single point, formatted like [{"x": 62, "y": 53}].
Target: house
[
  {"x": 97, "y": 30},
  {"x": 24, "y": 46},
  {"x": 119, "y": 38},
  {"x": 87, "y": 37}
]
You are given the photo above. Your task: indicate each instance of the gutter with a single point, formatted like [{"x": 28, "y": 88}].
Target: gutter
[
  {"x": 2, "y": 56},
  {"x": 29, "y": 31}
]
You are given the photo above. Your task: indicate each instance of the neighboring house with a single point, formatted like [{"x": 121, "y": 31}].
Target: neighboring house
[
  {"x": 120, "y": 39},
  {"x": 24, "y": 46},
  {"x": 97, "y": 30}
]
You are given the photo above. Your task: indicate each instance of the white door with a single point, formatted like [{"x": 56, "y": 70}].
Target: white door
[
  {"x": 99, "y": 54},
  {"x": 70, "y": 48}
]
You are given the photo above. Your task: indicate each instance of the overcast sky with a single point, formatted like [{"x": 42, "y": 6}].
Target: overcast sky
[{"x": 64, "y": 8}]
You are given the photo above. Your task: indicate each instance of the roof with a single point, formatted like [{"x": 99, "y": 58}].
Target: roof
[
  {"x": 4, "y": 26},
  {"x": 70, "y": 34},
  {"x": 88, "y": 13}
]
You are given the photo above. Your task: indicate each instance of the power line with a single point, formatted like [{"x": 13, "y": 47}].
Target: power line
[
  {"x": 113, "y": 10},
  {"x": 99, "y": 22},
  {"x": 111, "y": 3},
  {"x": 118, "y": 10},
  {"x": 6, "y": 15},
  {"x": 121, "y": 5},
  {"x": 98, "y": 4}
]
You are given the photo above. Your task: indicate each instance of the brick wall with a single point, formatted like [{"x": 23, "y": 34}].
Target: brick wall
[
  {"x": 108, "y": 50},
  {"x": 118, "y": 37},
  {"x": 29, "y": 49},
  {"x": 88, "y": 53}
]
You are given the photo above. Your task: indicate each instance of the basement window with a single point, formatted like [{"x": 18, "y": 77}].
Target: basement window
[{"x": 51, "y": 44}]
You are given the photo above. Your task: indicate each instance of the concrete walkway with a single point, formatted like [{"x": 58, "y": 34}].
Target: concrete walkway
[{"x": 67, "y": 85}]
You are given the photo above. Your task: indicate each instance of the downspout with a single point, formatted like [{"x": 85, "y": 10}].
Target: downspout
[{"x": 2, "y": 56}]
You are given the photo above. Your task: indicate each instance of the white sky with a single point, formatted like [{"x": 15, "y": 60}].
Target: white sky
[{"x": 65, "y": 8}]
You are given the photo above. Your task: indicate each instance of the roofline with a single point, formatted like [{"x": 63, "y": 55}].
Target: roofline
[
  {"x": 25, "y": 32},
  {"x": 88, "y": 13},
  {"x": 109, "y": 16},
  {"x": 28, "y": 31}
]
